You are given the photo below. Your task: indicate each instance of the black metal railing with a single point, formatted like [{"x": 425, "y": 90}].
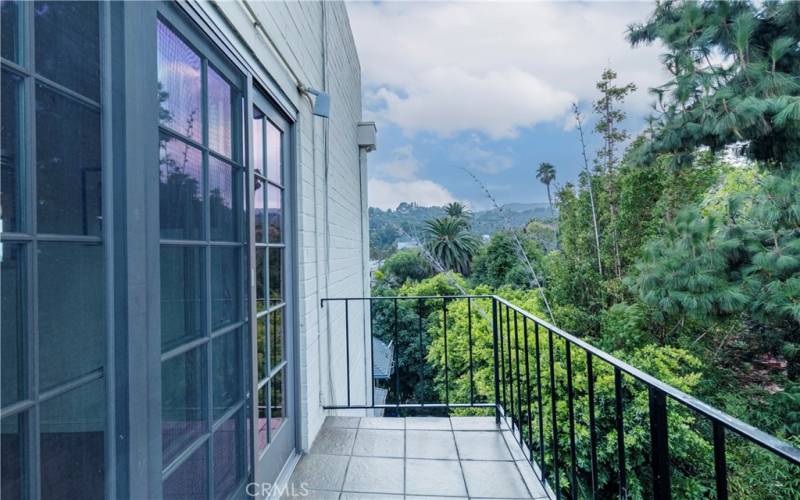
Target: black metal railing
[{"x": 531, "y": 361}]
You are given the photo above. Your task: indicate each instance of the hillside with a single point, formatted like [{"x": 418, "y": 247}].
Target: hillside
[{"x": 387, "y": 226}]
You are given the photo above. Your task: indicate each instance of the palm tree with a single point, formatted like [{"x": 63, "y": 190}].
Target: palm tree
[
  {"x": 546, "y": 173},
  {"x": 458, "y": 211},
  {"x": 449, "y": 241}
]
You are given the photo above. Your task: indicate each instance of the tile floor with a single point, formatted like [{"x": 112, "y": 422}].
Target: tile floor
[{"x": 416, "y": 458}]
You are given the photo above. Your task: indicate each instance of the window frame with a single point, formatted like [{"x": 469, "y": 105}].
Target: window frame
[
  {"x": 29, "y": 405},
  {"x": 182, "y": 26}
]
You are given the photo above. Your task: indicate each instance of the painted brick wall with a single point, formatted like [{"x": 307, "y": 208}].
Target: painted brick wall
[{"x": 331, "y": 210}]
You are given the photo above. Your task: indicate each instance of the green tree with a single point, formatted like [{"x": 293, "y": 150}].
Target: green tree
[
  {"x": 734, "y": 80},
  {"x": 457, "y": 210},
  {"x": 546, "y": 173},
  {"x": 609, "y": 126},
  {"x": 451, "y": 244},
  {"x": 498, "y": 263},
  {"x": 405, "y": 265}
]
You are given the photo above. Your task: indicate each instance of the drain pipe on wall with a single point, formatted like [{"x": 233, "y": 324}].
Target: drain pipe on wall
[{"x": 367, "y": 142}]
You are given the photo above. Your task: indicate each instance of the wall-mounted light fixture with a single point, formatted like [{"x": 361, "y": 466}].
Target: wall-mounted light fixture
[{"x": 322, "y": 101}]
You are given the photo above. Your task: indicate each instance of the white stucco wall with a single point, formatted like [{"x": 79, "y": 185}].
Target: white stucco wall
[{"x": 311, "y": 43}]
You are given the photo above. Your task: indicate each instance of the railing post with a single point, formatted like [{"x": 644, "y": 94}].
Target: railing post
[
  {"x": 496, "y": 362},
  {"x": 720, "y": 467},
  {"x": 347, "y": 344},
  {"x": 620, "y": 424},
  {"x": 659, "y": 444}
]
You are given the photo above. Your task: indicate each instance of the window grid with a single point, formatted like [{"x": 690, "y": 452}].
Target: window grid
[
  {"x": 272, "y": 305},
  {"x": 206, "y": 245},
  {"x": 27, "y": 408}
]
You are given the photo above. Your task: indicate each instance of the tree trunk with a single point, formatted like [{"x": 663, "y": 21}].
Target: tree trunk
[
  {"x": 591, "y": 190},
  {"x": 552, "y": 212}
]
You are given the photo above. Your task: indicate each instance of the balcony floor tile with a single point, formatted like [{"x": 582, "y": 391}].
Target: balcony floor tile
[
  {"x": 434, "y": 477},
  {"x": 374, "y": 475},
  {"x": 379, "y": 443},
  {"x": 382, "y": 423},
  {"x": 494, "y": 480},
  {"x": 431, "y": 444},
  {"x": 428, "y": 423},
  {"x": 479, "y": 445}
]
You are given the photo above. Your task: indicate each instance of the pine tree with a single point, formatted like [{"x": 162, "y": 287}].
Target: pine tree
[
  {"x": 611, "y": 116},
  {"x": 734, "y": 68}
]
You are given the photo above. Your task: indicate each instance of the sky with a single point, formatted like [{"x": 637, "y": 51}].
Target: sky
[{"x": 488, "y": 87}]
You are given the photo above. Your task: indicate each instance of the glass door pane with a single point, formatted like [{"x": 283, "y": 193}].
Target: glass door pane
[{"x": 274, "y": 432}]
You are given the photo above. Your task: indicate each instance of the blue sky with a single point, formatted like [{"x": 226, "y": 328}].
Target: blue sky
[{"x": 488, "y": 87}]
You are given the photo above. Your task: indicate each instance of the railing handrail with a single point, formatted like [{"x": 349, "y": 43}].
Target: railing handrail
[
  {"x": 745, "y": 430},
  {"x": 753, "y": 434}
]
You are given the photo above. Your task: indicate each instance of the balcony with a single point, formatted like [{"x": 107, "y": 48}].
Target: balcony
[{"x": 485, "y": 400}]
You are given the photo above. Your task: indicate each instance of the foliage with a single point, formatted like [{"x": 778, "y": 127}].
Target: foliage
[
  {"x": 450, "y": 242},
  {"x": 457, "y": 211},
  {"x": 405, "y": 265},
  {"x": 734, "y": 80},
  {"x": 498, "y": 263},
  {"x": 387, "y": 227},
  {"x": 546, "y": 173}
]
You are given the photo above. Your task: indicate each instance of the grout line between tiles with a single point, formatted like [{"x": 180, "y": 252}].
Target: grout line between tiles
[
  {"x": 405, "y": 456},
  {"x": 460, "y": 465},
  {"x": 516, "y": 466},
  {"x": 349, "y": 459}
]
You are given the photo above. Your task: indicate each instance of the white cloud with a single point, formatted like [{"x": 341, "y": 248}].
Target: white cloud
[
  {"x": 395, "y": 181},
  {"x": 494, "y": 67},
  {"x": 388, "y": 194},
  {"x": 449, "y": 100},
  {"x": 475, "y": 156},
  {"x": 403, "y": 165}
]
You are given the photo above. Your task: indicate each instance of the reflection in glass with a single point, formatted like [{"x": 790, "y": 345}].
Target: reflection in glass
[
  {"x": 261, "y": 276},
  {"x": 68, "y": 176},
  {"x": 225, "y": 286},
  {"x": 228, "y": 459},
  {"x": 182, "y": 293},
  {"x": 226, "y": 367},
  {"x": 179, "y": 85},
  {"x": 71, "y": 317},
  {"x": 220, "y": 128},
  {"x": 258, "y": 141},
  {"x": 277, "y": 410},
  {"x": 9, "y": 31},
  {"x": 275, "y": 276},
  {"x": 275, "y": 338},
  {"x": 72, "y": 443},
  {"x": 224, "y": 190},
  {"x": 183, "y": 400},
  {"x": 10, "y": 146},
  {"x": 262, "y": 418},
  {"x": 12, "y": 347},
  {"x": 261, "y": 344},
  {"x": 274, "y": 153},
  {"x": 68, "y": 45},
  {"x": 275, "y": 202},
  {"x": 190, "y": 480},
  {"x": 12, "y": 457},
  {"x": 180, "y": 190},
  {"x": 258, "y": 208}
]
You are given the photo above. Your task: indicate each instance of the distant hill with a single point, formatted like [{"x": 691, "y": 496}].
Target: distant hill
[
  {"x": 387, "y": 226},
  {"x": 512, "y": 216}
]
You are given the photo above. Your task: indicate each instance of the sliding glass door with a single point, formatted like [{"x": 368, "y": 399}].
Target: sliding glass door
[
  {"x": 55, "y": 338},
  {"x": 204, "y": 320},
  {"x": 274, "y": 340}
]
